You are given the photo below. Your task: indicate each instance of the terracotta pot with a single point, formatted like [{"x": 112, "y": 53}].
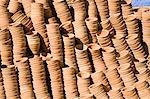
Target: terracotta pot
[
  {"x": 70, "y": 83},
  {"x": 34, "y": 42},
  {"x": 92, "y": 9}
]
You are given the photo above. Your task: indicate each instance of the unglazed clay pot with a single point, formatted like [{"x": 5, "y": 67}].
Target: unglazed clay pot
[{"x": 34, "y": 42}]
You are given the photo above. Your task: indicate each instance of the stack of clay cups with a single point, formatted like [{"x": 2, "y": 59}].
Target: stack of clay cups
[
  {"x": 2, "y": 91},
  {"x": 114, "y": 79},
  {"x": 37, "y": 17},
  {"x": 110, "y": 57},
  {"x": 132, "y": 24},
  {"x": 10, "y": 82},
  {"x": 27, "y": 6},
  {"x": 25, "y": 82},
  {"x": 55, "y": 41},
  {"x": 143, "y": 89},
  {"x": 114, "y": 6},
  {"x": 4, "y": 17},
  {"x": 127, "y": 74},
  {"x": 47, "y": 8},
  {"x": 80, "y": 11},
  {"x": 144, "y": 73},
  {"x": 115, "y": 94},
  {"x": 93, "y": 26},
  {"x": 129, "y": 92},
  {"x": 62, "y": 10},
  {"x": 19, "y": 16},
  {"x": 98, "y": 61},
  {"x": 67, "y": 27},
  {"x": 39, "y": 77},
  {"x": 145, "y": 27},
  {"x": 92, "y": 9},
  {"x": 83, "y": 59},
  {"x": 70, "y": 82},
  {"x": 104, "y": 38},
  {"x": 100, "y": 77},
  {"x": 106, "y": 25},
  {"x": 34, "y": 42},
  {"x": 121, "y": 44},
  {"x": 142, "y": 64},
  {"x": 126, "y": 9},
  {"x": 54, "y": 68},
  {"x": 14, "y": 6},
  {"x": 81, "y": 32},
  {"x": 102, "y": 6},
  {"x": 83, "y": 83},
  {"x": 98, "y": 91},
  {"x": 6, "y": 47},
  {"x": 69, "y": 50},
  {"x": 136, "y": 46},
  {"x": 19, "y": 40},
  {"x": 118, "y": 23},
  {"x": 125, "y": 57}
]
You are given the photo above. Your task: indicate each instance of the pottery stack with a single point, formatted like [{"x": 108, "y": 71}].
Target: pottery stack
[{"x": 2, "y": 91}]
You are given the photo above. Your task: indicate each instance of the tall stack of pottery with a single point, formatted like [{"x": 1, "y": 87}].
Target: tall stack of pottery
[
  {"x": 114, "y": 78},
  {"x": 14, "y": 6},
  {"x": 132, "y": 24},
  {"x": 98, "y": 61},
  {"x": 10, "y": 82},
  {"x": 127, "y": 74},
  {"x": 55, "y": 40},
  {"x": 98, "y": 91},
  {"x": 19, "y": 41},
  {"x": 47, "y": 8},
  {"x": 92, "y": 9},
  {"x": 130, "y": 93},
  {"x": 144, "y": 74},
  {"x": 125, "y": 57},
  {"x": 69, "y": 50},
  {"x": 2, "y": 91},
  {"x": 115, "y": 94},
  {"x": 93, "y": 28},
  {"x": 83, "y": 83},
  {"x": 114, "y": 6},
  {"x": 102, "y": 6},
  {"x": 110, "y": 57},
  {"x": 118, "y": 23},
  {"x": 25, "y": 78},
  {"x": 126, "y": 9},
  {"x": 62, "y": 10},
  {"x": 39, "y": 78},
  {"x": 55, "y": 71},
  {"x": 34, "y": 42},
  {"x": 20, "y": 17},
  {"x": 37, "y": 17},
  {"x": 80, "y": 12},
  {"x": 67, "y": 27},
  {"x": 106, "y": 25},
  {"x": 121, "y": 44},
  {"x": 100, "y": 77},
  {"x": 83, "y": 59},
  {"x": 27, "y": 6},
  {"x": 4, "y": 15},
  {"x": 136, "y": 46},
  {"x": 143, "y": 89},
  {"x": 145, "y": 27},
  {"x": 6, "y": 47},
  {"x": 70, "y": 82},
  {"x": 104, "y": 39},
  {"x": 81, "y": 32}
]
